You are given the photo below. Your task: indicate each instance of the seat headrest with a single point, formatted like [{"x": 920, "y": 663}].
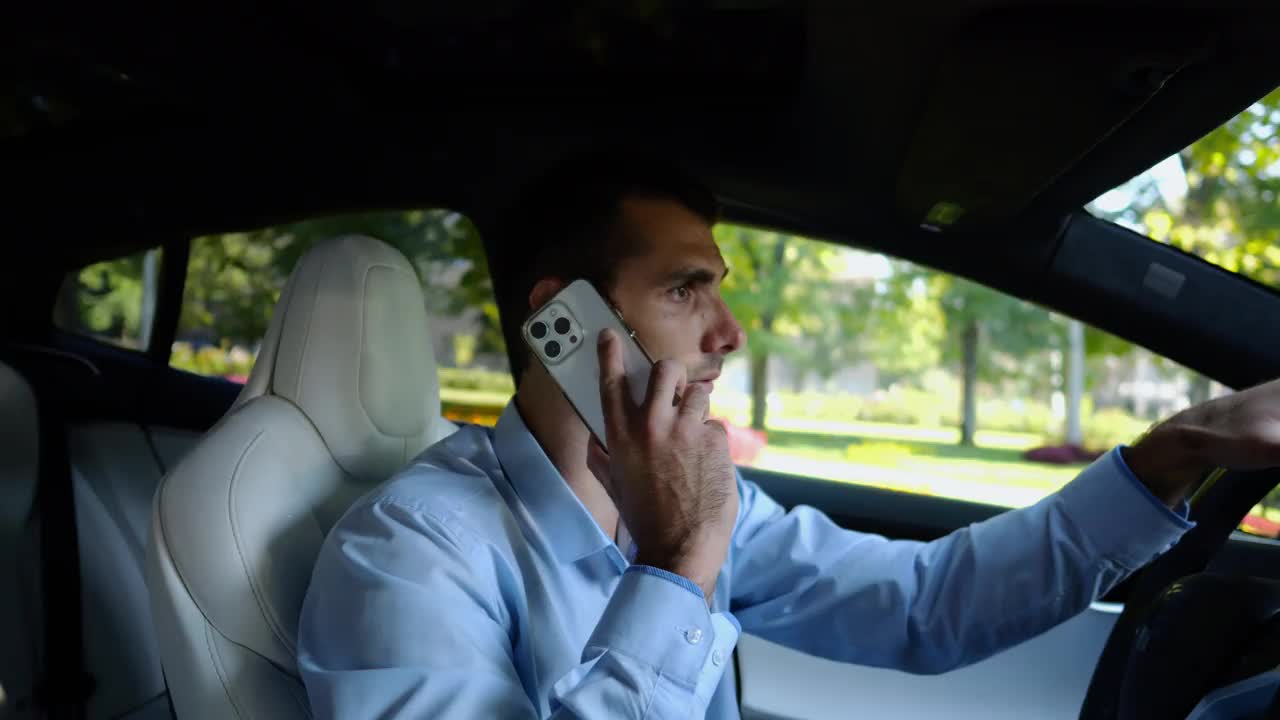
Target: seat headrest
[{"x": 348, "y": 345}]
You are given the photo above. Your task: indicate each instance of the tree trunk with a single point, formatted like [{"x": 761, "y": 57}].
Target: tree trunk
[
  {"x": 759, "y": 388},
  {"x": 969, "y": 389},
  {"x": 1141, "y": 371},
  {"x": 1075, "y": 381},
  {"x": 759, "y": 359}
]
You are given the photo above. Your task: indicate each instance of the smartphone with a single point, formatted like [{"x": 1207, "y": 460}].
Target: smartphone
[{"x": 564, "y": 333}]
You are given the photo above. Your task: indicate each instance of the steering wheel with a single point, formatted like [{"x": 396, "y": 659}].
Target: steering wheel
[{"x": 1185, "y": 632}]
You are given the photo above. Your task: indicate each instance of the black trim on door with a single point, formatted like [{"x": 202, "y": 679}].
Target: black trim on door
[{"x": 130, "y": 386}]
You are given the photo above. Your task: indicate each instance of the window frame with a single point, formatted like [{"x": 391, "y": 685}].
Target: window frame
[{"x": 173, "y": 281}]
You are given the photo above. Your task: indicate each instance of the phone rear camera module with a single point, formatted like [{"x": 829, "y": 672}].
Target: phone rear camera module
[
  {"x": 562, "y": 326},
  {"x": 552, "y": 349},
  {"x": 538, "y": 330}
]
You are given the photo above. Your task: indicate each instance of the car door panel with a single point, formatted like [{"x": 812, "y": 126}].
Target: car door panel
[
  {"x": 119, "y": 446},
  {"x": 1045, "y": 677}
]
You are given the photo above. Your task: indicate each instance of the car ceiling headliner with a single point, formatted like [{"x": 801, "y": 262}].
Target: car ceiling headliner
[{"x": 123, "y": 125}]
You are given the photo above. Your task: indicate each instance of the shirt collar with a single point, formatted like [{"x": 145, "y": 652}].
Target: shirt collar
[{"x": 558, "y": 514}]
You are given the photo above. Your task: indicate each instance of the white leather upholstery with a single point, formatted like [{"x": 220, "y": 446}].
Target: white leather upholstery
[
  {"x": 342, "y": 395},
  {"x": 19, "y": 571},
  {"x": 114, "y": 475}
]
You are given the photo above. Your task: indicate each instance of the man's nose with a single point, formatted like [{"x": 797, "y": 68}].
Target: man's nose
[{"x": 724, "y": 334}]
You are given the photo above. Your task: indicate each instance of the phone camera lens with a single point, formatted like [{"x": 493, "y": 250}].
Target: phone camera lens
[
  {"x": 562, "y": 326},
  {"x": 573, "y": 338},
  {"x": 553, "y": 349},
  {"x": 538, "y": 330}
]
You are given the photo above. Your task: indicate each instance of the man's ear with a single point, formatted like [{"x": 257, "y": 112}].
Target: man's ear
[{"x": 543, "y": 291}]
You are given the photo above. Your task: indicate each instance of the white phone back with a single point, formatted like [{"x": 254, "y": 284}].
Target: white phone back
[{"x": 576, "y": 367}]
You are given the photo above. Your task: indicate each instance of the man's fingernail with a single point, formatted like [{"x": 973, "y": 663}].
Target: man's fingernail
[{"x": 606, "y": 336}]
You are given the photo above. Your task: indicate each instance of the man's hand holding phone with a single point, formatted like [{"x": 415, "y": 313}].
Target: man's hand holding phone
[{"x": 670, "y": 472}]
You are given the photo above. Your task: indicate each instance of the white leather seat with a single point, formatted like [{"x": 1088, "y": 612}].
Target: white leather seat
[
  {"x": 343, "y": 394},
  {"x": 114, "y": 476}
]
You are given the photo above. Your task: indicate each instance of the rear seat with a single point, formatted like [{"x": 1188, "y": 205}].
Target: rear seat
[
  {"x": 115, "y": 469},
  {"x": 19, "y": 577}
]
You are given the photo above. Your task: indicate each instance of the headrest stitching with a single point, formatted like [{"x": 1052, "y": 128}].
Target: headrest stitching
[
  {"x": 265, "y": 608},
  {"x": 306, "y": 336}
]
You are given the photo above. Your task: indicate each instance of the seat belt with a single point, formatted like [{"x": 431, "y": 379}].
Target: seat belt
[{"x": 63, "y": 686}]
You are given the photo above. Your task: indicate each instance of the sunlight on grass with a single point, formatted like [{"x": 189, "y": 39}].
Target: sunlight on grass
[
  {"x": 997, "y": 476},
  {"x": 479, "y": 398},
  {"x": 985, "y": 438}
]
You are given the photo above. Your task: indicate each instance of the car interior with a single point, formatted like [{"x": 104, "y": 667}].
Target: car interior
[{"x": 158, "y": 527}]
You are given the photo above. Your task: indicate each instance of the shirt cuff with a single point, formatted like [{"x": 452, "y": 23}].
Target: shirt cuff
[
  {"x": 724, "y": 641},
  {"x": 1184, "y": 508},
  {"x": 1120, "y": 514},
  {"x": 663, "y": 624},
  {"x": 680, "y": 580}
]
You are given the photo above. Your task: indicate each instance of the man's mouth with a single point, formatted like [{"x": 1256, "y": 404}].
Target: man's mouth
[{"x": 709, "y": 381}]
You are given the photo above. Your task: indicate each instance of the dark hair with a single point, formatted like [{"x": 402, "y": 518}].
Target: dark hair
[{"x": 565, "y": 224}]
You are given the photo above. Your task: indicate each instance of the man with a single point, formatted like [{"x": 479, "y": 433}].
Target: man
[{"x": 522, "y": 572}]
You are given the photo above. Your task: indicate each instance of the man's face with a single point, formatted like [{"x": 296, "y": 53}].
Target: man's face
[{"x": 669, "y": 291}]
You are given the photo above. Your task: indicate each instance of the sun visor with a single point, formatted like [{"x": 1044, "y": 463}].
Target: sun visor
[{"x": 1019, "y": 98}]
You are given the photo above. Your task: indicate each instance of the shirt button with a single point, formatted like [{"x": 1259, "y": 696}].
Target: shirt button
[
  {"x": 717, "y": 658},
  {"x": 693, "y": 635}
]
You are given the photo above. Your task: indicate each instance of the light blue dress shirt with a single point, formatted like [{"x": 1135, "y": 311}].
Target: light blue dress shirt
[{"x": 475, "y": 584}]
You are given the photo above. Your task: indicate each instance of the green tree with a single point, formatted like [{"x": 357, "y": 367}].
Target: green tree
[
  {"x": 110, "y": 297},
  {"x": 761, "y": 294},
  {"x": 990, "y": 336},
  {"x": 798, "y": 301},
  {"x": 233, "y": 283},
  {"x": 905, "y": 329},
  {"x": 1230, "y": 215},
  {"x": 114, "y": 299}
]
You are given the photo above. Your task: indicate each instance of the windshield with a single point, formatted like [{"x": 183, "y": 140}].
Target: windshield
[{"x": 1217, "y": 198}]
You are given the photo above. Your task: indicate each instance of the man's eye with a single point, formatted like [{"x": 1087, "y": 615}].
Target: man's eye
[{"x": 680, "y": 294}]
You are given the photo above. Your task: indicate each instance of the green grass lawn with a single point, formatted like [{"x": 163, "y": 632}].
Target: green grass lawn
[
  {"x": 893, "y": 431},
  {"x": 911, "y": 458},
  {"x": 920, "y": 460}
]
